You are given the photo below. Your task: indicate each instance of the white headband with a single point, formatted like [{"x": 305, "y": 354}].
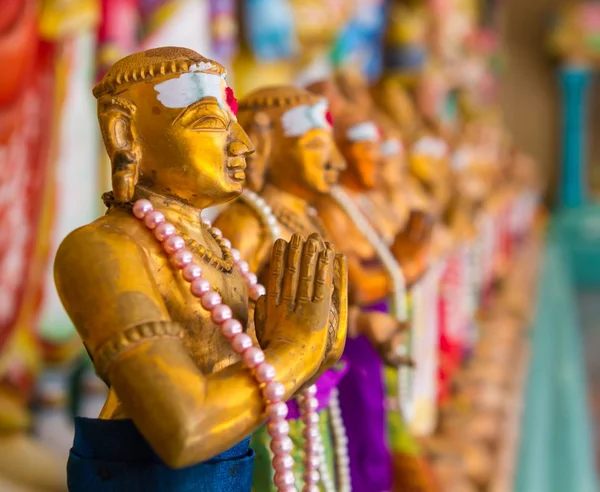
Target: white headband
[
  {"x": 300, "y": 119},
  {"x": 361, "y": 132},
  {"x": 431, "y": 146},
  {"x": 193, "y": 86},
  {"x": 391, "y": 147}
]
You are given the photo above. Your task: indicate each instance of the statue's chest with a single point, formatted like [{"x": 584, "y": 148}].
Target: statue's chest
[
  {"x": 206, "y": 345},
  {"x": 362, "y": 246}
]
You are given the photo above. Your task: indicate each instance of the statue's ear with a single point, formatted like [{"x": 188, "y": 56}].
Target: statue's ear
[{"x": 116, "y": 123}]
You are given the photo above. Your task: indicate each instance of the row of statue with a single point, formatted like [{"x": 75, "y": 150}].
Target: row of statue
[
  {"x": 379, "y": 233},
  {"x": 344, "y": 216}
]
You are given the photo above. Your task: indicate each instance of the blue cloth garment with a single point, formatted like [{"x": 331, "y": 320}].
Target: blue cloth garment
[{"x": 112, "y": 456}]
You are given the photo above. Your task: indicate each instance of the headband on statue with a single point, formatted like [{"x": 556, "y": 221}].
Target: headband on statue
[
  {"x": 301, "y": 119},
  {"x": 431, "y": 146},
  {"x": 461, "y": 159},
  {"x": 364, "y": 132},
  {"x": 391, "y": 147},
  {"x": 194, "y": 85}
]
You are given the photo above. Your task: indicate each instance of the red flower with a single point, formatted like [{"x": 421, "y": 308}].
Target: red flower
[
  {"x": 231, "y": 100},
  {"x": 329, "y": 117}
]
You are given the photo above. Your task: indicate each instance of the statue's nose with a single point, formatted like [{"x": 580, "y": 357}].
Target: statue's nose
[
  {"x": 241, "y": 145},
  {"x": 337, "y": 160}
]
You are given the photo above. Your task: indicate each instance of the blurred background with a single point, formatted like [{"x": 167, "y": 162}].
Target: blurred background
[{"x": 543, "y": 56}]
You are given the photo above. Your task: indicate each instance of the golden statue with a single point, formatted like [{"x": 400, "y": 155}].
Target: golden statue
[
  {"x": 378, "y": 282},
  {"x": 187, "y": 384},
  {"x": 303, "y": 164},
  {"x": 397, "y": 192},
  {"x": 360, "y": 139}
]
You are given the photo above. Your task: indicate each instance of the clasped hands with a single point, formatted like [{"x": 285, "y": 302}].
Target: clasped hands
[{"x": 307, "y": 300}]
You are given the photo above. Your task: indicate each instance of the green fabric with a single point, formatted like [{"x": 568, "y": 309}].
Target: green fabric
[
  {"x": 556, "y": 452},
  {"x": 400, "y": 439},
  {"x": 263, "y": 472}
]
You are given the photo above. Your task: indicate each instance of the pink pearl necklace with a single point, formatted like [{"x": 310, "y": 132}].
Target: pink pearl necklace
[{"x": 253, "y": 357}]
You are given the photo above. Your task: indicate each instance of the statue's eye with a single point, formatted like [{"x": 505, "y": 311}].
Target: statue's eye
[
  {"x": 208, "y": 123},
  {"x": 316, "y": 143}
]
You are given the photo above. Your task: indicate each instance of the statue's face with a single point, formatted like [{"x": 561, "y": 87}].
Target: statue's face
[
  {"x": 428, "y": 162},
  {"x": 312, "y": 160},
  {"x": 305, "y": 157},
  {"x": 191, "y": 144},
  {"x": 393, "y": 163},
  {"x": 365, "y": 157},
  {"x": 429, "y": 159},
  {"x": 362, "y": 150},
  {"x": 471, "y": 173}
]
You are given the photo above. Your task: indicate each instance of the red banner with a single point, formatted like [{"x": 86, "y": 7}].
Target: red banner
[{"x": 26, "y": 117}]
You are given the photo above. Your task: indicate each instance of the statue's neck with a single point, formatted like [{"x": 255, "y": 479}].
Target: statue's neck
[
  {"x": 352, "y": 183},
  {"x": 292, "y": 186},
  {"x": 176, "y": 211}
]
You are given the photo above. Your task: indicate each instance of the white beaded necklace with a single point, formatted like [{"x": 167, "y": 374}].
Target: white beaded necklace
[
  {"x": 252, "y": 357},
  {"x": 337, "y": 424},
  {"x": 398, "y": 296}
]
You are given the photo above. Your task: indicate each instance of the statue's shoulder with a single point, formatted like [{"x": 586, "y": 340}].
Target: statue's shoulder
[
  {"x": 329, "y": 208},
  {"x": 118, "y": 231},
  {"x": 242, "y": 209},
  {"x": 240, "y": 215}
]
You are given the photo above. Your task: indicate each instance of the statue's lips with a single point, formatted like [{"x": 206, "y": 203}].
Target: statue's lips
[{"x": 236, "y": 169}]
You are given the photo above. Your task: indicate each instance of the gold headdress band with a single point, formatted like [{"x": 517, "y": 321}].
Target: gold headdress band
[
  {"x": 285, "y": 97},
  {"x": 150, "y": 63}
]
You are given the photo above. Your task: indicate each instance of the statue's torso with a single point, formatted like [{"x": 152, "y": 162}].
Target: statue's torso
[
  {"x": 342, "y": 227},
  {"x": 206, "y": 346},
  {"x": 293, "y": 215}
]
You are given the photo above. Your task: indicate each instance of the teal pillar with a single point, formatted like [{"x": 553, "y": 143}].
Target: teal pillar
[{"x": 575, "y": 83}]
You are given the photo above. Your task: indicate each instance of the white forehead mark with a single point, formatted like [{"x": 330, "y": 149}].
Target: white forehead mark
[
  {"x": 461, "y": 159},
  {"x": 189, "y": 88},
  {"x": 431, "y": 146},
  {"x": 391, "y": 146},
  {"x": 361, "y": 132},
  {"x": 300, "y": 119}
]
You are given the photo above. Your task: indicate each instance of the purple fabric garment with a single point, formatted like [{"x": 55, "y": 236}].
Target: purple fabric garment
[
  {"x": 328, "y": 381},
  {"x": 362, "y": 397}
]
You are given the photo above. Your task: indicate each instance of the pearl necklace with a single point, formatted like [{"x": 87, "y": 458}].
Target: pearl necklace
[
  {"x": 260, "y": 206},
  {"x": 252, "y": 357},
  {"x": 399, "y": 307},
  {"x": 266, "y": 214}
]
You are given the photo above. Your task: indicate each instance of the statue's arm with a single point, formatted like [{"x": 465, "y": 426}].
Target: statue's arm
[
  {"x": 367, "y": 283},
  {"x": 186, "y": 417}
]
